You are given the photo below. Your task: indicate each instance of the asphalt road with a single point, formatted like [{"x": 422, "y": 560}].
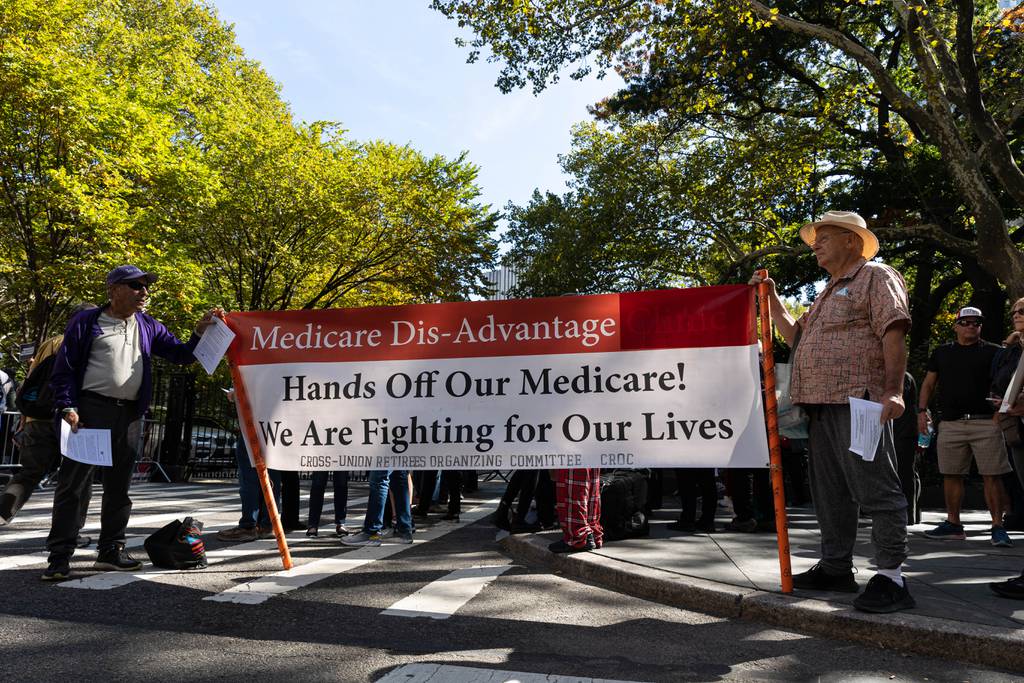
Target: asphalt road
[{"x": 452, "y": 601}]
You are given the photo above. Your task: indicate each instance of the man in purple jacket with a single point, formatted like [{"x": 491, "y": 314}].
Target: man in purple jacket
[{"x": 102, "y": 379}]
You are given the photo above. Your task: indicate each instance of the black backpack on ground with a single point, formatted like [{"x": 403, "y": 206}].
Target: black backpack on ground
[
  {"x": 623, "y": 497},
  {"x": 35, "y": 397},
  {"x": 177, "y": 545}
]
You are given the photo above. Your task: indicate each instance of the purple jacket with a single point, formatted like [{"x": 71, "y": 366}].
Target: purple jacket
[{"x": 69, "y": 368}]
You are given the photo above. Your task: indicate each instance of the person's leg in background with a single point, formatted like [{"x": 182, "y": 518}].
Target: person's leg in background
[
  {"x": 290, "y": 495},
  {"x": 428, "y": 481},
  {"x": 401, "y": 496},
  {"x": 263, "y": 526},
  {"x": 503, "y": 514},
  {"x": 707, "y": 485},
  {"x": 687, "y": 502},
  {"x": 317, "y": 488},
  {"x": 452, "y": 480},
  {"x": 740, "y": 485},
  {"x": 655, "y": 490},
  {"x": 340, "y": 502},
  {"x": 545, "y": 497},
  {"x": 39, "y": 454}
]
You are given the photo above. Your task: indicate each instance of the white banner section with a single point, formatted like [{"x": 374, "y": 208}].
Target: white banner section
[{"x": 691, "y": 407}]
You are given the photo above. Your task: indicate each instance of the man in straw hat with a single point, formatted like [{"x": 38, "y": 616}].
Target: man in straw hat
[{"x": 850, "y": 343}]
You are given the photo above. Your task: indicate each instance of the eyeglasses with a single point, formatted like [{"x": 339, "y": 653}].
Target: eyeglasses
[
  {"x": 969, "y": 323},
  {"x": 1017, "y": 311},
  {"x": 136, "y": 285}
]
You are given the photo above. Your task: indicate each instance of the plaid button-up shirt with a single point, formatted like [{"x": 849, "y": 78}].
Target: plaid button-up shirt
[{"x": 840, "y": 350}]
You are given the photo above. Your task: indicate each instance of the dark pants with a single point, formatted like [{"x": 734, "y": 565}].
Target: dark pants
[
  {"x": 75, "y": 480},
  {"x": 527, "y": 485},
  {"x": 40, "y": 455},
  {"x": 451, "y": 483},
  {"x": 910, "y": 481},
  {"x": 318, "y": 486},
  {"x": 290, "y": 500},
  {"x": 693, "y": 482},
  {"x": 254, "y": 508},
  {"x": 751, "y": 492},
  {"x": 843, "y": 485}
]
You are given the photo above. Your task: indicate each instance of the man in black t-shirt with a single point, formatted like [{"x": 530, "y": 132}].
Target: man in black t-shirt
[{"x": 962, "y": 370}]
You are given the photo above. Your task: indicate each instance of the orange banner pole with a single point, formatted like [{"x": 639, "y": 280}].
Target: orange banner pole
[
  {"x": 249, "y": 425},
  {"x": 771, "y": 410}
]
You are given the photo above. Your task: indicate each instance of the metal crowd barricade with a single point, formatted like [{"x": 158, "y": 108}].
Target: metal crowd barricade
[{"x": 9, "y": 456}]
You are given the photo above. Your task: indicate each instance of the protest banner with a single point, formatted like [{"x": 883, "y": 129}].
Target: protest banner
[{"x": 666, "y": 378}]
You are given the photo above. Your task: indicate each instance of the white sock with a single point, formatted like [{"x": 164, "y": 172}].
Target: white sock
[{"x": 895, "y": 575}]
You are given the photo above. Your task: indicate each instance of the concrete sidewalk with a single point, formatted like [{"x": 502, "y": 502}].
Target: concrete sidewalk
[{"x": 737, "y": 575}]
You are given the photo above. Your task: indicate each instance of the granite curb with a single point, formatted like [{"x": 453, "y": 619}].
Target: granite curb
[{"x": 982, "y": 644}]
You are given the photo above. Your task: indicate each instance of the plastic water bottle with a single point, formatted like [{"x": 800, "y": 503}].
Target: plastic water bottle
[{"x": 925, "y": 440}]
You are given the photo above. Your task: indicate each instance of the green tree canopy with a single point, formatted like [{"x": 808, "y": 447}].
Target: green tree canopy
[
  {"x": 138, "y": 131},
  {"x": 741, "y": 120}
]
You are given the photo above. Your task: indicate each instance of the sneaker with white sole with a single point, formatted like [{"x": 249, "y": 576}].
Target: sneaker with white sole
[
  {"x": 362, "y": 539},
  {"x": 947, "y": 531},
  {"x": 1000, "y": 538},
  {"x": 404, "y": 537}
]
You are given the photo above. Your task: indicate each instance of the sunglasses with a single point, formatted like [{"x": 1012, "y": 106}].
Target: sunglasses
[
  {"x": 136, "y": 285},
  {"x": 1017, "y": 311},
  {"x": 968, "y": 323}
]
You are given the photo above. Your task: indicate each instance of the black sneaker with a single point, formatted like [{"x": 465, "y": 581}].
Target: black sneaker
[
  {"x": 882, "y": 596},
  {"x": 591, "y": 543},
  {"x": 58, "y": 570},
  {"x": 116, "y": 559},
  {"x": 1012, "y": 588},
  {"x": 817, "y": 579}
]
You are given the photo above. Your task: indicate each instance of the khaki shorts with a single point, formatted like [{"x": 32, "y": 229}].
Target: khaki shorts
[{"x": 959, "y": 440}]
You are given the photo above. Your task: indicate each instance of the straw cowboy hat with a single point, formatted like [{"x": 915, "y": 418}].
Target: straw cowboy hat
[{"x": 847, "y": 220}]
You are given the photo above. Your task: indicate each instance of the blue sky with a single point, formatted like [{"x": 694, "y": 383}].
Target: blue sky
[{"x": 390, "y": 69}]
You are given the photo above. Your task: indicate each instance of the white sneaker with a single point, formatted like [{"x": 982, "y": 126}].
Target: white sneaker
[{"x": 404, "y": 537}]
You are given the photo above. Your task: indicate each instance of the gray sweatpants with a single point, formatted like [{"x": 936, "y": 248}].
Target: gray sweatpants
[{"x": 843, "y": 484}]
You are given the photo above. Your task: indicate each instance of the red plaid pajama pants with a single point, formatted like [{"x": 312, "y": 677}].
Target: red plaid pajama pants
[{"x": 578, "y": 496}]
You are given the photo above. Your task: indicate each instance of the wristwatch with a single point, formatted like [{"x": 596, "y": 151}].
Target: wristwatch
[{"x": 922, "y": 410}]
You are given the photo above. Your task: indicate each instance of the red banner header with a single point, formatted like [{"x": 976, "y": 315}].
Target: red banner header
[{"x": 659, "y": 319}]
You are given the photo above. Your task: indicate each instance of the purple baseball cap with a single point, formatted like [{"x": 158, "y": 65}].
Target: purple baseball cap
[{"x": 125, "y": 273}]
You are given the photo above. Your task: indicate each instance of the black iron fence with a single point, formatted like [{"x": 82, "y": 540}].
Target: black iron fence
[{"x": 191, "y": 428}]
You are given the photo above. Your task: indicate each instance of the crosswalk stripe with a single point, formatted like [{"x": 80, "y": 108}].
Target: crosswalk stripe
[
  {"x": 442, "y": 598},
  {"x": 39, "y": 535},
  {"x": 262, "y": 589},
  {"x": 445, "y": 673},
  {"x": 114, "y": 579},
  {"x": 42, "y": 514},
  {"x": 145, "y": 521},
  {"x": 132, "y": 542}
]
